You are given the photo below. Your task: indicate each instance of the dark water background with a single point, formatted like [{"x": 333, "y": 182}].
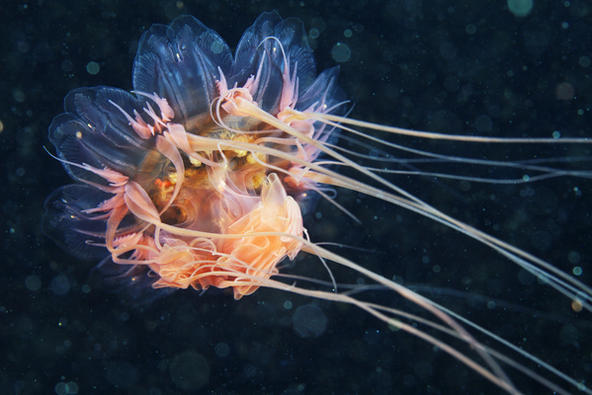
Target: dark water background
[{"x": 434, "y": 65}]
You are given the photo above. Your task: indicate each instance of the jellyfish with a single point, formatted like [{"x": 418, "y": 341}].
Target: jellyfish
[{"x": 204, "y": 175}]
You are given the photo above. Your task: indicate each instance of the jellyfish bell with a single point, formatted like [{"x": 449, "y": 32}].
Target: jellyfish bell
[{"x": 198, "y": 178}]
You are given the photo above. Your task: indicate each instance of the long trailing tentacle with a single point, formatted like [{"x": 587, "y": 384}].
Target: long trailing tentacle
[
  {"x": 444, "y": 136},
  {"x": 564, "y": 283}
]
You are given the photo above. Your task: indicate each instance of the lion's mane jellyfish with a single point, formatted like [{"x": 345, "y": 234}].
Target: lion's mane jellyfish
[
  {"x": 167, "y": 180},
  {"x": 199, "y": 177}
]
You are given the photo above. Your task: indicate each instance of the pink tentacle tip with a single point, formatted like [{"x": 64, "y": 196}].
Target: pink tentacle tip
[
  {"x": 231, "y": 99},
  {"x": 115, "y": 178},
  {"x": 166, "y": 111}
]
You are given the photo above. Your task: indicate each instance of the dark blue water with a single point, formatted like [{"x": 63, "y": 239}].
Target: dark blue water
[{"x": 471, "y": 66}]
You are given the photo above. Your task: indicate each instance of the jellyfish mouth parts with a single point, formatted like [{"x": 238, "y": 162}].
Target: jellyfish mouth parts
[
  {"x": 199, "y": 179},
  {"x": 217, "y": 213}
]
